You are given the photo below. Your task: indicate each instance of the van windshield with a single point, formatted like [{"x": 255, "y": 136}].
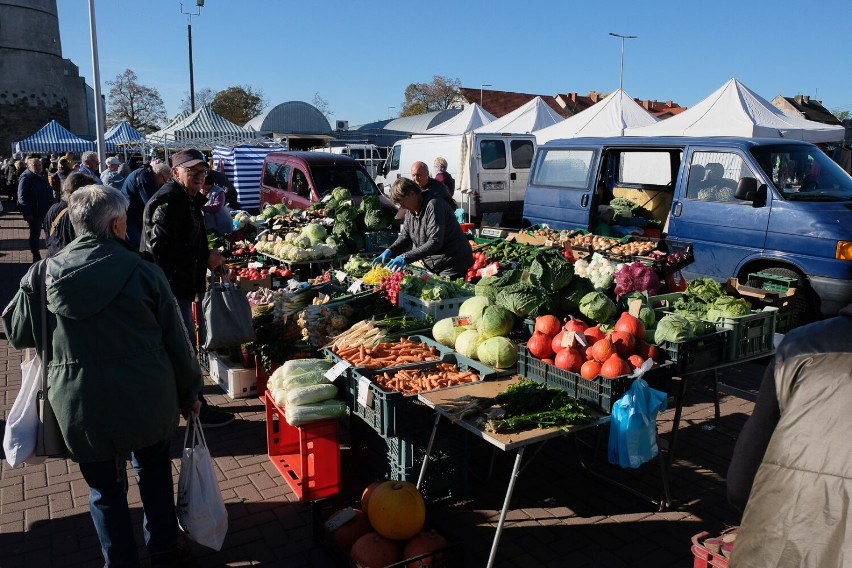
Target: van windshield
[
  {"x": 803, "y": 173},
  {"x": 353, "y": 178}
]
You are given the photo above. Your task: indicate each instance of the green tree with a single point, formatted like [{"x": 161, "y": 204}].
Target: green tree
[
  {"x": 439, "y": 94},
  {"x": 203, "y": 96},
  {"x": 239, "y": 104},
  {"x": 840, "y": 114},
  {"x": 138, "y": 104}
]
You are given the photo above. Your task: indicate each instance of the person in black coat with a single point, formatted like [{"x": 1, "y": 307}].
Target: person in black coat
[
  {"x": 34, "y": 199},
  {"x": 57, "y": 223}
]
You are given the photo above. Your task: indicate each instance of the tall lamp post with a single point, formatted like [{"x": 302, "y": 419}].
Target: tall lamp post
[
  {"x": 621, "y": 71},
  {"x": 199, "y": 5},
  {"x": 480, "y": 91},
  {"x": 96, "y": 80}
]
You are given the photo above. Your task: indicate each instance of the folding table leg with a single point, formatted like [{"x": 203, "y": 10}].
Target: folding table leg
[
  {"x": 515, "y": 472},
  {"x": 428, "y": 451}
]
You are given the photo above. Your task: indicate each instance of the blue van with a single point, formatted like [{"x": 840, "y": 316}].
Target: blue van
[{"x": 748, "y": 205}]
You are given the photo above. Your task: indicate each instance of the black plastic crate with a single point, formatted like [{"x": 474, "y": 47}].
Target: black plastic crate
[
  {"x": 451, "y": 556},
  {"x": 697, "y": 353}
]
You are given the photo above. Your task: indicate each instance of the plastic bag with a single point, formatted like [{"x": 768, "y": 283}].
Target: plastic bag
[
  {"x": 227, "y": 316},
  {"x": 19, "y": 440},
  {"x": 633, "y": 428},
  {"x": 201, "y": 510}
]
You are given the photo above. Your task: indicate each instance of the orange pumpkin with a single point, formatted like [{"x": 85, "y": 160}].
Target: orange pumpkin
[
  {"x": 424, "y": 543},
  {"x": 397, "y": 510},
  {"x": 374, "y": 551},
  {"x": 346, "y": 534}
]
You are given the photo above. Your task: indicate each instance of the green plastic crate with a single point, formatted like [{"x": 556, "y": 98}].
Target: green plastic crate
[
  {"x": 697, "y": 353},
  {"x": 770, "y": 282},
  {"x": 750, "y": 335}
]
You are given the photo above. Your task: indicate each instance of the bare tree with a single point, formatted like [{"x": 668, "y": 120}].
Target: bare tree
[
  {"x": 239, "y": 104},
  {"x": 439, "y": 94},
  {"x": 203, "y": 97},
  {"x": 139, "y": 105},
  {"x": 321, "y": 105}
]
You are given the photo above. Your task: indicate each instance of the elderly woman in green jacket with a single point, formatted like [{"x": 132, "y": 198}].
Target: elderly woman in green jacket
[{"x": 121, "y": 372}]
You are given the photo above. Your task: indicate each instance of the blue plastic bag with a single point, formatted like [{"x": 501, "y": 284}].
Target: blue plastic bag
[{"x": 633, "y": 428}]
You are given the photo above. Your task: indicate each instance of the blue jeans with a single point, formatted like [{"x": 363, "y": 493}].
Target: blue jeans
[{"x": 107, "y": 482}]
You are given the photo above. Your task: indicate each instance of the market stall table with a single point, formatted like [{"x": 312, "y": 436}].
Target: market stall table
[{"x": 444, "y": 403}]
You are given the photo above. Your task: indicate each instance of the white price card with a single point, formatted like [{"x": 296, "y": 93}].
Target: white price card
[
  {"x": 340, "y": 275},
  {"x": 255, "y": 265},
  {"x": 365, "y": 393},
  {"x": 355, "y": 287},
  {"x": 548, "y": 243},
  {"x": 339, "y": 519},
  {"x": 633, "y": 307},
  {"x": 338, "y": 369},
  {"x": 568, "y": 339},
  {"x": 459, "y": 321}
]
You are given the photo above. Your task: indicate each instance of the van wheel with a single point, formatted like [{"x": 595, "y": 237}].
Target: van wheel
[{"x": 804, "y": 304}]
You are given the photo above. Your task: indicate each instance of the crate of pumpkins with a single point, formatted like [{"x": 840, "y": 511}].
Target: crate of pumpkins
[{"x": 387, "y": 528}]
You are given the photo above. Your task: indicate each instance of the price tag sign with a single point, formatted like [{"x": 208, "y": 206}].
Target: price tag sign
[
  {"x": 569, "y": 338},
  {"x": 340, "y": 519},
  {"x": 510, "y": 238},
  {"x": 365, "y": 393},
  {"x": 459, "y": 321},
  {"x": 633, "y": 307},
  {"x": 563, "y": 238},
  {"x": 340, "y": 275},
  {"x": 355, "y": 287},
  {"x": 548, "y": 243},
  {"x": 255, "y": 265},
  {"x": 581, "y": 339},
  {"x": 338, "y": 369}
]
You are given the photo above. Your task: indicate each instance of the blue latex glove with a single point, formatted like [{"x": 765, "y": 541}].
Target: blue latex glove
[
  {"x": 381, "y": 259},
  {"x": 396, "y": 264}
]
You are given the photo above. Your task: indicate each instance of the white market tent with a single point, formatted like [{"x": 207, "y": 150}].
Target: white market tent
[
  {"x": 530, "y": 117},
  {"x": 203, "y": 128},
  {"x": 121, "y": 134},
  {"x": 736, "y": 110},
  {"x": 608, "y": 117},
  {"x": 472, "y": 117},
  {"x": 244, "y": 165},
  {"x": 53, "y": 137}
]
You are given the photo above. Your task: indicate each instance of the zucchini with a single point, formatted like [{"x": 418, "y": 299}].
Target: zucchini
[
  {"x": 306, "y": 395},
  {"x": 326, "y": 410}
]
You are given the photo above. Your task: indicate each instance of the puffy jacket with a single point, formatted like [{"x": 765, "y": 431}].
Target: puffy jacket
[
  {"x": 122, "y": 363},
  {"x": 34, "y": 195},
  {"x": 798, "y": 512},
  {"x": 174, "y": 237},
  {"x": 138, "y": 187}
]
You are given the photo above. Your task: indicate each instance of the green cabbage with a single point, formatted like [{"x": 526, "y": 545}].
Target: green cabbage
[
  {"x": 341, "y": 194},
  {"x": 375, "y": 220},
  {"x": 446, "y": 332},
  {"x": 486, "y": 288},
  {"x": 647, "y": 317},
  {"x": 315, "y": 233},
  {"x": 495, "y": 321},
  {"x": 551, "y": 273},
  {"x": 705, "y": 288},
  {"x": 467, "y": 343},
  {"x": 473, "y": 308},
  {"x": 597, "y": 306},
  {"x": 728, "y": 307},
  {"x": 522, "y": 300},
  {"x": 498, "y": 352},
  {"x": 673, "y": 327}
]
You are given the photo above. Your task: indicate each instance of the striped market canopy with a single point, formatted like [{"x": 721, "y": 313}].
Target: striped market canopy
[
  {"x": 53, "y": 137},
  {"x": 201, "y": 127},
  {"x": 121, "y": 133},
  {"x": 244, "y": 165}
]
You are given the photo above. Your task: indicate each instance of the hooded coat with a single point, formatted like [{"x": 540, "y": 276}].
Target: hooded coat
[{"x": 122, "y": 365}]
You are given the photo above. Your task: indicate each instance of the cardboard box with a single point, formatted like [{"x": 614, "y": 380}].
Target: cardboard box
[
  {"x": 236, "y": 381},
  {"x": 759, "y": 297},
  {"x": 251, "y": 285}
]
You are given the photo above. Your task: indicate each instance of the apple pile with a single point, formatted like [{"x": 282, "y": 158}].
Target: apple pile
[{"x": 588, "y": 350}]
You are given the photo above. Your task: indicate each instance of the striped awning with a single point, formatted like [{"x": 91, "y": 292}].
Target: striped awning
[
  {"x": 121, "y": 133},
  {"x": 244, "y": 166},
  {"x": 201, "y": 127},
  {"x": 53, "y": 137}
]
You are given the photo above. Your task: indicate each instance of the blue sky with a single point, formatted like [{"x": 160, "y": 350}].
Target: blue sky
[{"x": 360, "y": 56}]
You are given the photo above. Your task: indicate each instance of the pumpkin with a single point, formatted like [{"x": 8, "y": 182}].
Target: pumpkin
[
  {"x": 374, "y": 551},
  {"x": 590, "y": 370},
  {"x": 368, "y": 492},
  {"x": 625, "y": 344},
  {"x": 346, "y": 534},
  {"x": 424, "y": 543},
  {"x": 569, "y": 359},
  {"x": 655, "y": 353},
  {"x": 614, "y": 367},
  {"x": 540, "y": 345},
  {"x": 594, "y": 334},
  {"x": 635, "y": 361},
  {"x": 397, "y": 510},
  {"x": 548, "y": 325},
  {"x": 556, "y": 343},
  {"x": 601, "y": 350},
  {"x": 549, "y": 361},
  {"x": 630, "y": 324},
  {"x": 576, "y": 325}
]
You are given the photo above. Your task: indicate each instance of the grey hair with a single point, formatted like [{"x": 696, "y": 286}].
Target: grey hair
[
  {"x": 87, "y": 156},
  {"x": 93, "y": 208},
  {"x": 162, "y": 169},
  {"x": 402, "y": 188}
]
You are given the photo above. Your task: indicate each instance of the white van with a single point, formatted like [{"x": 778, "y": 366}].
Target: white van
[
  {"x": 490, "y": 170},
  {"x": 367, "y": 154}
]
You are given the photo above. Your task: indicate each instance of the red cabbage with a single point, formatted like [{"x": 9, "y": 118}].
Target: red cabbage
[{"x": 635, "y": 277}]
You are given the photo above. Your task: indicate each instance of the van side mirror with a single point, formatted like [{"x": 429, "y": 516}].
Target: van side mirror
[
  {"x": 747, "y": 190},
  {"x": 382, "y": 171}
]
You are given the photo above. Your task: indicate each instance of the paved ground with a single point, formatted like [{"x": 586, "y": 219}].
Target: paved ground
[{"x": 560, "y": 516}]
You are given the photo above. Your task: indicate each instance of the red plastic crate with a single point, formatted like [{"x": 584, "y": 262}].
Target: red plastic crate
[
  {"x": 308, "y": 457},
  {"x": 262, "y": 377},
  {"x": 704, "y": 558}
]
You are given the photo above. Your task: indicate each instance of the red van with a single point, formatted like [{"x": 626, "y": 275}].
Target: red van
[{"x": 298, "y": 179}]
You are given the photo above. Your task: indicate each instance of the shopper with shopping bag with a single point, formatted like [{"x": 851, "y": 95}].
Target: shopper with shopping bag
[{"x": 122, "y": 371}]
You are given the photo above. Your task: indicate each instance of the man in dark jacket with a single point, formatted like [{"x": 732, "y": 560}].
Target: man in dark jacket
[
  {"x": 792, "y": 466},
  {"x": 174, "y": 237},
  {"x": 138, "y": 188},
  {"x": 430, "y": 187},
  {"x": 430, "y": 233},
  {"x": 34, "y": 199}
]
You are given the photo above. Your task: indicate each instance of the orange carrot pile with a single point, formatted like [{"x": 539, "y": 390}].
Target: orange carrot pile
[
  {"x": 387, "y": 354},
  {"x": 413, "y": 381}
]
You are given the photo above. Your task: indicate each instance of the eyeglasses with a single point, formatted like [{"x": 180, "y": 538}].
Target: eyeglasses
[{"x": 195, "y": 173}]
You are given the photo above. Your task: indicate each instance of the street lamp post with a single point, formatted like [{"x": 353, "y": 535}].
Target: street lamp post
[
  {"x": 199, "y": 4},
  {"x": 621, "y": 72},
  {"x": 480, "y": 91}
]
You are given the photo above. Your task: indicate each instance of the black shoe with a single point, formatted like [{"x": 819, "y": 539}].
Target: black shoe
[{"x": 212, "y": 418}]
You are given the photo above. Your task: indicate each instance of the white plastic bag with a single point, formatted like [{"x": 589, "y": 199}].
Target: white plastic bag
[
  {"x": 200, "y": 509},
  {"x": 19, "y": 440}
]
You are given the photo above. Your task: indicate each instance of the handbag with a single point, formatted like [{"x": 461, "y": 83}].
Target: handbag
[
  {"x": 227, "y": 315},
  {"x": 633, "y": 429},
  {"x": 49, "y": 440},
  {"x": 201, "y": 510},
  {"x": 19, "y": 439}
]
